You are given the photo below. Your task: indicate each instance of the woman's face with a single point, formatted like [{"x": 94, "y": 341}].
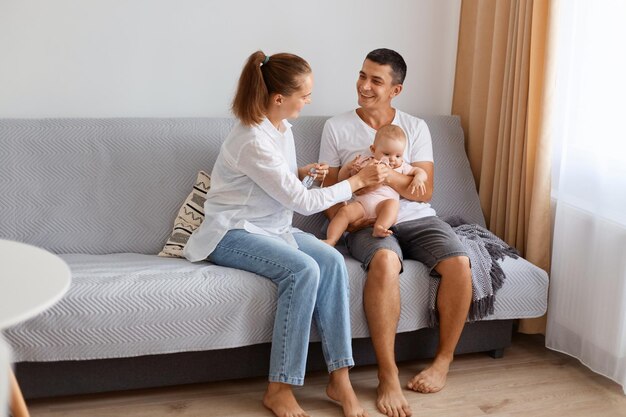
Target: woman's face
[{"x": 292, "y": 105}]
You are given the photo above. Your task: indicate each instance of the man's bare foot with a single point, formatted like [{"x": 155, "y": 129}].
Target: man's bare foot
[
  {"x": 391, "y": 400},
  {"x": 340, "y": 389},
  {"x": 280, "y": 400},
  {"x": 431, "y": 379},
  {"x": 380, "y": 231},
  {"x": 330, "y": 242}
]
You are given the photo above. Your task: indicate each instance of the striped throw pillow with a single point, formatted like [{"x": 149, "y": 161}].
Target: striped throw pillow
[{"x": 189, "y": 218}]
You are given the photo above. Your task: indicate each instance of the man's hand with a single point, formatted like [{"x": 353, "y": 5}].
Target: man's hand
[
  {"x": 402, "y": 183},
  {"x": 418, "y": 185}
]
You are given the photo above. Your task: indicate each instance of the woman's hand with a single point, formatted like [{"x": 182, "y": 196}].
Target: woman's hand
[
  {"x": 373, "y": 174},
  {"x": 319, "y": 170}
]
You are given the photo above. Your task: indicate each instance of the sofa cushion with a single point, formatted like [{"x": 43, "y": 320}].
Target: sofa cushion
[
  {"x": 189, "y": 217},
  {"x": 123, "y": 305}
]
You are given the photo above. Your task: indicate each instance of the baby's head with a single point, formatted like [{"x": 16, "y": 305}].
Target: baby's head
[{"x": 389, "y": 144}]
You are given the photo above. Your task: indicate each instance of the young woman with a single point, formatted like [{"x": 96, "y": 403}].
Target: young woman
[{"x": 255, "y": 188}]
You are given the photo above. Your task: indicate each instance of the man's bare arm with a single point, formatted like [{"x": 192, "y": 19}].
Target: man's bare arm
[
  {"x": 401, "y": 183},
  {"x": 342, "y": 173},
  {"x": 332, "y": 178}
]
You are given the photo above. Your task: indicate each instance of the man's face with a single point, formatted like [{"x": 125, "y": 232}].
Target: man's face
[{"x": 375, "y": 86}]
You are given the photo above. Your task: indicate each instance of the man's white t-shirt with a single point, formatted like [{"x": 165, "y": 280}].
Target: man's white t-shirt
[{"x": 346, "y": 135}]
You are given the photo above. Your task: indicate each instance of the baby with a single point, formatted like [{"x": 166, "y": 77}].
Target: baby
[{"x": 382, "y": 202}]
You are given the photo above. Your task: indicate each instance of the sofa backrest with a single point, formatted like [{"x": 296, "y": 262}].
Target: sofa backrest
[{"x": 115, "y": 185}]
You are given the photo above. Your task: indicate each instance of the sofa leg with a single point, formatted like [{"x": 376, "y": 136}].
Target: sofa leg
[{"x": 496, "y": 353}]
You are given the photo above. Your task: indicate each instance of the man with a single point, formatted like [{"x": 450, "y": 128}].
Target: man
[{"x": 419, "y": 234}]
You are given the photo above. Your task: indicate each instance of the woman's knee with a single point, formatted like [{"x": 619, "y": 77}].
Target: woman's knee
[
  {"x": 329, "y": 259},
  {"x": 336, "y": 259},
  {"x": 306, "y": 271}
]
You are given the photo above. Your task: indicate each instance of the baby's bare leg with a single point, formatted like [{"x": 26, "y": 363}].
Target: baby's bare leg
[
  {"x": 349, "y": 213},
  {"x": 386, "y": 216}
]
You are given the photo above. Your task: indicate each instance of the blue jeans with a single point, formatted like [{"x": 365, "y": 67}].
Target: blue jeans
[{"x": 312, "y": 284}]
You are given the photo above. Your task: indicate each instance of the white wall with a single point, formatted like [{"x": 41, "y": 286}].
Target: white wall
[{"x": 182, "y": 58}]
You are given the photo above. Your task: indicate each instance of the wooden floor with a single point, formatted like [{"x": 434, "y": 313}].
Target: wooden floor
[{"x": 529, "y": 381}]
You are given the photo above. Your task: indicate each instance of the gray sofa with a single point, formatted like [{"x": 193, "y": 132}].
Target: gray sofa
[{"x": 103, "y": 194}]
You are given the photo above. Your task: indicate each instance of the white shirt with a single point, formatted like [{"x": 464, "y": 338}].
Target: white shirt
[
  {"x": 255, "y": 186},
  {"x": 347, "y": 135}
]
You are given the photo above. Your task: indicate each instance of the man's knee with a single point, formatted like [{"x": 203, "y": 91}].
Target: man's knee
[
  {"x": 456, "y": 266},
  {"x": 385, "y": 264}
]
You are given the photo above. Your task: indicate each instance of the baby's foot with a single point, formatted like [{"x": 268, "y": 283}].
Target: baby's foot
[
  {"x": 380, "y": 231},
  {"x": 330, "y": 242}
]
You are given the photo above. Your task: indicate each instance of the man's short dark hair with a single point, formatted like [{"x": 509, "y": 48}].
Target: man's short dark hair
[{"x": 384, "y": 56}]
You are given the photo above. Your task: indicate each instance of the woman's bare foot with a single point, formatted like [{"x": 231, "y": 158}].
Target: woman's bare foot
[
  {"x": 391, "y": 400},
  {"x": 431, "y": 379},
  {"x": 340, "y": 389},
  {"x": 380, "y": 231},
  {"x": 280, "y": 400}
]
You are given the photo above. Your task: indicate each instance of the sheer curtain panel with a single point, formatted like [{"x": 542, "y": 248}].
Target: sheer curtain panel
[{"x": 587, "y": 306}]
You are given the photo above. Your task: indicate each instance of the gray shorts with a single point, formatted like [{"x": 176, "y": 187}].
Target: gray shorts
[{"x": 428, "y": 240}]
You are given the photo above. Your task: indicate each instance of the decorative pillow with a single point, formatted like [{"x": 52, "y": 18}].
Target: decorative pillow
[{"x": 189, "y": 217}]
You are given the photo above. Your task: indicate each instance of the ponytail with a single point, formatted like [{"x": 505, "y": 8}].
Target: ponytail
[{"x": 263, "y": 76}]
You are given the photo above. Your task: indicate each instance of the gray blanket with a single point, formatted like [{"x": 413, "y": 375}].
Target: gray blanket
[{"x": 484, "y": 250}]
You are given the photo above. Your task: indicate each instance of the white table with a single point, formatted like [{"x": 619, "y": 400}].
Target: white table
[
  {"x": 5, "y": 363},
  {"x": 31, "y": 280}
]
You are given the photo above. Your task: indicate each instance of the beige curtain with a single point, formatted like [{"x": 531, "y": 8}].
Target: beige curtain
[{"x": 502, "y": 96}]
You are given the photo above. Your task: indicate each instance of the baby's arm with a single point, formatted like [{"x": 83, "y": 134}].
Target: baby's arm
[
  {"x": 418, "y": 184},
  {"x": 350, "y": 169}
]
